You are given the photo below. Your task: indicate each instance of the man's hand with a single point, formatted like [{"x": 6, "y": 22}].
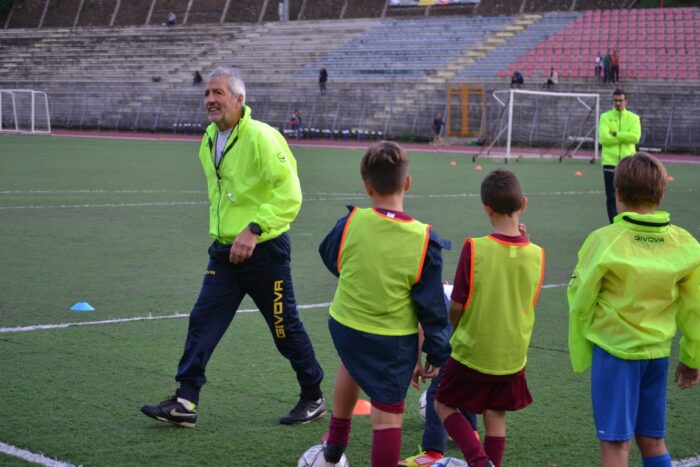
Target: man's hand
[
  {"x": 243, "y": 247},
  {"x": 686, "y": 377}
]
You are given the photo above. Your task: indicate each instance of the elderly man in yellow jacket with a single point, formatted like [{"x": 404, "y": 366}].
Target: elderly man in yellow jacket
[
  {"x": 619, "y": 132},
  {"x": 254, "y": 195}
]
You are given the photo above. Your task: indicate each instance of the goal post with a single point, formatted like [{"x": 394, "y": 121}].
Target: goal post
[
  {"x": 545, "y": 122},
  {"x": 24, "y": 111}
]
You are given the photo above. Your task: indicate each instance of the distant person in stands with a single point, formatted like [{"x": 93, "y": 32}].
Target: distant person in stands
[
  {"x": 197, "y": 78},
  {"x": 619, "y": 131},
  {"x": 322, "y": 80},
  {"x": 607, "y": 64},
  {"x": 171, "y": 19},
  {"x": 598, "y": 65},
  {"x": 295, "y": 124},
  {"x": 614, "y": 67},
  {"x": 438, "y": 125},
  {"x": 552, "y": 78},
  {"x": 516, "y": 80}
]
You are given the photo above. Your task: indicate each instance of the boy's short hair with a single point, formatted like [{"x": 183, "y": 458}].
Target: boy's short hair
[
  {"x": 640, "y": 180},
  {"x": 385, "y": 167},
  {"x": 501, "y": 191}
]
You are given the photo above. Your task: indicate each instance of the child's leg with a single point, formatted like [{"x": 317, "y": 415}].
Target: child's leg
[
  {"x": 462, "y": 433},
  {"x": 495, "y": 440},
  {"x": 650, "y": 428},
  {"x": 614, "y": 453},
  {"x": 615, "y": 391},
  {"x": 345, "y": 395},
  {"x": 386, "y": 434},
  {"x": 346, "y": 392},
  {"x": 654, "y": 452},
  {"x": 434, "y": 436}
]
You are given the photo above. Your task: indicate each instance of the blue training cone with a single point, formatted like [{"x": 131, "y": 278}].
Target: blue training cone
[{"x": 82, "y": 306}]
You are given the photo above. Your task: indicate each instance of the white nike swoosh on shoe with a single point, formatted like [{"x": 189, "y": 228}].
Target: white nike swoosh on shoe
[
  {"x": 175, "y": 413},
  {"x": 310, "y": 413}
]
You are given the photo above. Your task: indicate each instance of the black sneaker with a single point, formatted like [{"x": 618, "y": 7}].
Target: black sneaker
[
  {"x": 304, "y": 412},
  {"x": 171, "y": 411}
]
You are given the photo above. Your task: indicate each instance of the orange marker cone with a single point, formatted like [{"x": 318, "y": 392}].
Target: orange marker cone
[
  {"x": 478, "y": 168},
  {"x": 453, "y": 162},
  {"x": 578, "y": 173},
  {"x": 362, "y": 407},
  {"x": 670, "y": 178}
]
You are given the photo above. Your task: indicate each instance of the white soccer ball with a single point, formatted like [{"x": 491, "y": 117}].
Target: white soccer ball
[
  {"x": 450, "y": 462},
  {"x": 422, "y": 404},
  {"x": 313, "y": 457}
]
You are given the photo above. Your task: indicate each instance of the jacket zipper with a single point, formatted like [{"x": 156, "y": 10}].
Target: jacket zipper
[
  {"x": 619, "y": 127},
  {"x": 218, "y": 178}
]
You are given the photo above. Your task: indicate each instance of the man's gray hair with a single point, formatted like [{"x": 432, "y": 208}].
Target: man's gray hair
[{"x": 234, "y": 77}]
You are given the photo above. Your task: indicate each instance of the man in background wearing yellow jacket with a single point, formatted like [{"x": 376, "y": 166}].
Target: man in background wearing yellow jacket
[{"x": 619, "y": 132}]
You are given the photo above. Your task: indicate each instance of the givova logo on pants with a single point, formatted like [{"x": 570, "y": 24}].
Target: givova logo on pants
[{"x": 278, "y": 310}]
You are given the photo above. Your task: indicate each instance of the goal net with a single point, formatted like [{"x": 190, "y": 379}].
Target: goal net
[
  {"x": 24, "y": 111},
  {"x": 542, "y": 123}
]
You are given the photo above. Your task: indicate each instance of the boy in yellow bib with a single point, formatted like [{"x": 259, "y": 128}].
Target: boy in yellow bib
[
  {"x": 496, "y": 286},
  {"x": 389, "y": 269}
]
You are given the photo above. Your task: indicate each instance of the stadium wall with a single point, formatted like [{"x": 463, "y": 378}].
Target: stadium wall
[{"x": 668, "y": 112}]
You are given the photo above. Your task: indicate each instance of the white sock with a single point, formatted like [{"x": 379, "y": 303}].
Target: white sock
[{"x": 187, "y": 404}]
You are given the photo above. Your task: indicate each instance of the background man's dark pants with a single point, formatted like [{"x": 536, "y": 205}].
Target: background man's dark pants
[
  {"x": 609, "y": 177},
  {"x": 266, "y": 277}
]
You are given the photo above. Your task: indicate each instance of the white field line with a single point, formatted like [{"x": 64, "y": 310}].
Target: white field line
[
  {"x": 42, "y": 327},
  {"x": 43, "y": 460},
  {"x": 109, "y": 205},
  {"x": 80, "y": 192},
  {"x": 314, "y": 197},
  {"x": 31, "y": 457},
  {"x": 467, "y": 151}
]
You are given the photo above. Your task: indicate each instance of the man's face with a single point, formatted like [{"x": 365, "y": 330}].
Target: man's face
[
  {"x": 222, "y": 106},
  {"x": 620, "y": 101}
]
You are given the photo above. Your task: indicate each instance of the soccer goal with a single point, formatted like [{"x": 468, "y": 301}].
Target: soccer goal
[
  {"x": 24, "y": 111},
  {"x": 542, "y": 123}
]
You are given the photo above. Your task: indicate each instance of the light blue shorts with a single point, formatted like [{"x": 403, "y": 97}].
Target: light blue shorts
[{"x": 629, "y": 396}]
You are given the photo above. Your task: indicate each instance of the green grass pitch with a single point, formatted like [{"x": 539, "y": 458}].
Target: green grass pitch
[{"x": 123, "y": 225}]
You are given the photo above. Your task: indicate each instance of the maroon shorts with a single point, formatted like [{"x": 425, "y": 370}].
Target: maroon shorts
[{"x": 464, "y": 388}]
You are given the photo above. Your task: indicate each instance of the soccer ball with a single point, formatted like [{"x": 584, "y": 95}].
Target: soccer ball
[
  {"x": 450, "y": 462},
  {"x": 422, "y": 404},
  {"x": 313, "y": 457}
]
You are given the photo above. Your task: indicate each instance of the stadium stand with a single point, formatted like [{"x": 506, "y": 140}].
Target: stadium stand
[
  {"x": 323, "y": 9},
  {"x": 409, "y": 47},
  {"x": 364, "y": 10},
  {"x": 498, "y": 7},
  {"x": 652, "y": 44},
  {"x": 214, "y": 9},
  {"x": 387, "y": 76},
  {"x": 96, "y": 13},
  {"x": 524, "y": 37},
  {"x": 132, "y": 13}
]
